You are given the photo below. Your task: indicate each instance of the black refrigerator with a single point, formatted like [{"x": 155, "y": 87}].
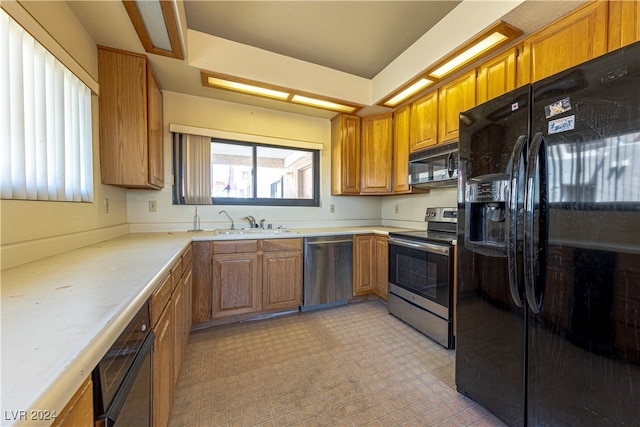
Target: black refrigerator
[{"x": 548, "y": 276}]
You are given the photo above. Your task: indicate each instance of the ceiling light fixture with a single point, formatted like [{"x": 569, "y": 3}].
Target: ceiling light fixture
[
  {"x": 221, "y": 81},
  {"x": 489, "y": 41},
  {"x": 327, "y": 105},
  {"x": 406, "y": 93},
  {"x": 157, "y": 26},
  {"x": 246, "y": 88}
]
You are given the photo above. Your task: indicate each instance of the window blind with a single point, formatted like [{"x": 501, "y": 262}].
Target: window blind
[{"x": 45, "y": 123}]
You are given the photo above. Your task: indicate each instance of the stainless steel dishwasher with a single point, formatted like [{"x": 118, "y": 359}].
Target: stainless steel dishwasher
[{"x": 328, "y": 271}]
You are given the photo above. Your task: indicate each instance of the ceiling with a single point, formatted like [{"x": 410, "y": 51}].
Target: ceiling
[
  {"x": 357, "y": 37},
  {"x": 346, "y": 43}
]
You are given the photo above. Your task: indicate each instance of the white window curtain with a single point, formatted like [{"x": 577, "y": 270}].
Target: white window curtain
[
  {"x": 196, "y": 152},
  {"x": 45, "y": 123}
]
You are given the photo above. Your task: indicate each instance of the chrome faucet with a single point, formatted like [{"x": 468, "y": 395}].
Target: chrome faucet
[
  {"x": 252, "y": 221},
  {"x": 225, "y": 212}
]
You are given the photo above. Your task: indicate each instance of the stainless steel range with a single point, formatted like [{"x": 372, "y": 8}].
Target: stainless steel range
[{"x": 421, "y": 272}]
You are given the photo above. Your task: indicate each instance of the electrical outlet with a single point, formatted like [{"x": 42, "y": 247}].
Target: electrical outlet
[
  {"x": 332, "y": 208},
  {"x": 105, "y": 206},
  {"x": 397, "y": 208},
  {"x": 153, "y": 206}
]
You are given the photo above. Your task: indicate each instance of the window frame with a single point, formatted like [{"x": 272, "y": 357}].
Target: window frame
[{"x": 178, "y": 197}]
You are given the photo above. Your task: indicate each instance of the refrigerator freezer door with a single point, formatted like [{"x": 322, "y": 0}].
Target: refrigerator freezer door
[{"x": 490, "y": 340}]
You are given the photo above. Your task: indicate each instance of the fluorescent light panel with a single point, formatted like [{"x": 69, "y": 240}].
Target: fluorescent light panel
[
  {"x": 243, "y": 87},
  {"x": 153, "y": 20},
  {"x": 322, "y": 104},
  {"x": 414, "y": 88},
  {"x": 474, "y": 51},
  {"x": 156, "y": 24},
  {"x": 281, "y": 94}
]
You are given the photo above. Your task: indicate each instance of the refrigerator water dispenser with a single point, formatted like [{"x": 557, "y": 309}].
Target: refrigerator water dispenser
[{"x": 486, "y": 204}]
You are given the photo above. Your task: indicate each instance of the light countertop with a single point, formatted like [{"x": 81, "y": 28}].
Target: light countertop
[{"x": 61, "y": 314}]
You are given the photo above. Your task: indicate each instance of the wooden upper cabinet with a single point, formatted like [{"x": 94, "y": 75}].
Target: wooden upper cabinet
[
  {"x": 401, "y": 120},
  {"x": 345, "y": 154},
  {"x": 131, "y": 153},
  {"x": 496, "y": 77},
  {"x": 377, "y": 146},
  {"x": 424, "y": 122},
  {"x": 569, "y": 41},
  {"x": 624, "y": 23},
  {"x": 455, "y": 97}
]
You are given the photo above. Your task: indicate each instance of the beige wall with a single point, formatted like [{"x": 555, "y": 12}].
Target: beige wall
[
  {"x": 32, "y": 229},
  {"x": 241, "y": 119}
]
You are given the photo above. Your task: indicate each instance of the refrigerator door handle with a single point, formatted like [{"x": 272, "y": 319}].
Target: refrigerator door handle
[
  {"x": 535, "y": 262},
  {"x": 512, "y": 220},
  {"x": 450, "y": 165}
]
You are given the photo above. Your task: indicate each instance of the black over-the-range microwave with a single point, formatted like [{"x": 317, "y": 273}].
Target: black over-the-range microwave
[{"x": 434, "y": 167}]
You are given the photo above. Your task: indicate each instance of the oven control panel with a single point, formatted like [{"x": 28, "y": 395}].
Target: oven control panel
[{"x": 442, "y": 214}]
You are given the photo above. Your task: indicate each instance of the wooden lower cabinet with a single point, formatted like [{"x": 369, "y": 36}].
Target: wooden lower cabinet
[
  {"x": 370, "y": 265},
  {"x": 381, "y": 279},
  {"x": 235, "y": 284},
  {"x": 202, "y": 301},
  {"x": 170, "y": 312},
  {"x": 79, "y": 411},
  {"x": 240, "y": 277},
  {"x": 363, "y": 264},
  {"x": 281, "y": 274},
  {"x": 163, "y": 369}
]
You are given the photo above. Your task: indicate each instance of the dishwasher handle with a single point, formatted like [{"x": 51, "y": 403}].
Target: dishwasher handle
[{"x": 324, "y": 242}]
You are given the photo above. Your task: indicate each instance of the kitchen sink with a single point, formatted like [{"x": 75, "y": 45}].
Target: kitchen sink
[{"x": 250, "y": 231}]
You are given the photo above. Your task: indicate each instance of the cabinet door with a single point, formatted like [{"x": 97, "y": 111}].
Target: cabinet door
[
  {"x": 624, "y": 23},
  {"x": 177, "y": 302},
  {"x": 363, "y": 264},
  {"x": 345, "y": 154},
  {"x": 154, "y": 114},
  {"x": 572, "y": 40},
  {"x": 79, "y": 411},
  {"x": 400, "y": 166},
  {"x": 162, "y": 369},
  {"x": 235, "y": 284},
  {"x": 382, "y": 266},
  {"x": 186, "y": 308},
  {"x": 377, "y": 139},
  {"x": 454, "y": 98},
  {"x": 202, "y": 300},
  {"x": 424, "y": 122},
  {"x": 496, "y": 76},
  {"x": 281, "y": 280},
  {"x": 130, "y": 112}
]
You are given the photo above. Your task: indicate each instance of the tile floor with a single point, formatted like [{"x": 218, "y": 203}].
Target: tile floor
[{"x": 345, "y": 366}]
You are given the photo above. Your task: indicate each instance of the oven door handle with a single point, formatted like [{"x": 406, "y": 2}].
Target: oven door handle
[{"x": 425, "y": 247}]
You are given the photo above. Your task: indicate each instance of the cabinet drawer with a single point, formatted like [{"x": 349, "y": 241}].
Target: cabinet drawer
[
  {"x": 176, "y": 272},
  {"x": 277, "y": 245},
  {"x": 235, "y": 246},
  {"x": 187, "y": 257},
  {"x": 159, "y": 299}
]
